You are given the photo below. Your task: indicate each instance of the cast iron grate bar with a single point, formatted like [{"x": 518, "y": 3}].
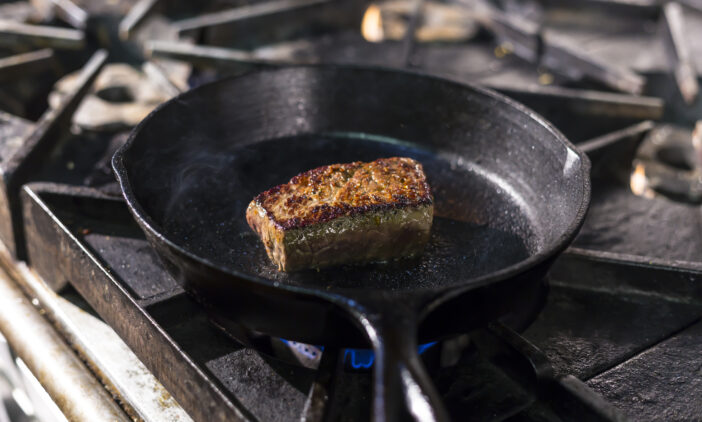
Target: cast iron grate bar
[
  {"x": 158, "y": 74},
  {"x": 577, "y": 64},
  {"x": 71, "y": 13},
  {"x": 599, "y": 143},
  {"x": 202, "y": 397},
  {"x": 535, "y": 44},
  {"x": 567, "y": 395},
  {"x": 21, "y": 65},
  {"x": 230, "y": 16},
  {"x": 135, "y": 17},
  {"x": 408, "y": 42},
  {"x": 588, "y": 102},
  {"x": 318, "y": 400},
  {"x": 213, "y": 56},
  {"x": 678, "y": 51},
  {"x": 34, "y": 151},
  {"x": 673, "y": 280},
  {"x": 13, "y": 34}
]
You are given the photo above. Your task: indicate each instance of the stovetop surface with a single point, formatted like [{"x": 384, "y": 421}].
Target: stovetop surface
[{"x": 627, "y": 330}]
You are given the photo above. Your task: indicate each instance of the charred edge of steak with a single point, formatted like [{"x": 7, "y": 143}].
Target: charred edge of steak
[{"x": 376, "y": 236}]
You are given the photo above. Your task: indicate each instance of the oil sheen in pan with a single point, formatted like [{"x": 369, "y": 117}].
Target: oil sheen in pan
[{"x": 475, "y": 231}]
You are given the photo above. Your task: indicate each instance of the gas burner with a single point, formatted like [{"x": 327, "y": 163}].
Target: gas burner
[
  {"x": 310, "y": 356},
  {"x": 120, "y": 98},
  {"x": 669, "y": 162}
]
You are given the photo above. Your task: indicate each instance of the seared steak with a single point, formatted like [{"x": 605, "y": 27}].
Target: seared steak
[{"x": 344, "y": 213}]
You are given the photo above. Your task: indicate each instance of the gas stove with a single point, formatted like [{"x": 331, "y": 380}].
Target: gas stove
[{"x": 618, "y": 332}]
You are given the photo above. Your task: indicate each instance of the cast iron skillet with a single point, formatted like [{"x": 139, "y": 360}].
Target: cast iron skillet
[{"x": 510, "y": 194}]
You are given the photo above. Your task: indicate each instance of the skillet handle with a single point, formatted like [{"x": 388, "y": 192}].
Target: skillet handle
[{"x": 401, "y": 384}]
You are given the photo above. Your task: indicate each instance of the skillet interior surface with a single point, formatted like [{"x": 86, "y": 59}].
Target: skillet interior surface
[
  {"x": 467, "y": 241},
  {"x": 199, "y": 160}
]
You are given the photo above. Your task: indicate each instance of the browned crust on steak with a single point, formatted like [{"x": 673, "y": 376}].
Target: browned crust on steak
[{"x": 325, "y": 193}]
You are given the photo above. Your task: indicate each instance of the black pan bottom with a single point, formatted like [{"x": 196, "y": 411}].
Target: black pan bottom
[{"x": 479, "y": 227}]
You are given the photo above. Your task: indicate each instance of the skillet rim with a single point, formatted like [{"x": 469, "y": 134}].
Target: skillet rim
[{"x": 441, "y": 293}]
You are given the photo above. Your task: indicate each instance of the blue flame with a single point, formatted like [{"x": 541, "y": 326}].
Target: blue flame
[
  {"x": 357, "y": 358},
  {"x": 364, "y": 358}
]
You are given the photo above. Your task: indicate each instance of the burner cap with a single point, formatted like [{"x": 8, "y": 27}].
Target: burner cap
[{"x": 668, "y": 163}]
